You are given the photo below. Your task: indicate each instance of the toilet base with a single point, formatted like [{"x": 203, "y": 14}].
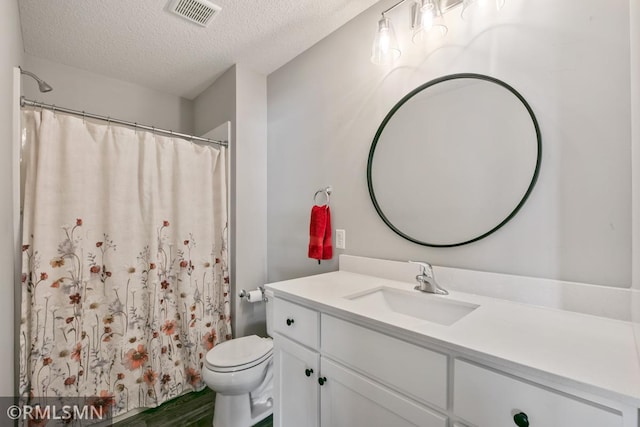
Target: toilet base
[{"x": 237, "y": 411}]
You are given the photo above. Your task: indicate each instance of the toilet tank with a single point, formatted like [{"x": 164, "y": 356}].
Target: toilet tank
[{"x": 269, "y": 310}]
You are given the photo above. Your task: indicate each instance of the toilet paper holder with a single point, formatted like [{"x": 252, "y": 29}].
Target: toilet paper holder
[{"x": 243, "y": 294}]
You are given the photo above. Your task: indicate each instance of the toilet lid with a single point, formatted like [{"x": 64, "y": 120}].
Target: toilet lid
[{"x": 238, "y": 352}]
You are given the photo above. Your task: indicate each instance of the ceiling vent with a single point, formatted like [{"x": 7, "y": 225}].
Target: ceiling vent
[{"x": 200, "y": 12}]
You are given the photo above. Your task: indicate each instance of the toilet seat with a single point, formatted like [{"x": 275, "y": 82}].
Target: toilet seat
[{"x": 239, "y": 354}]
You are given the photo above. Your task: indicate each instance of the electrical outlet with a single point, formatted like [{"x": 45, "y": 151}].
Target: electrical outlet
[{"x": 341, "y": 239}]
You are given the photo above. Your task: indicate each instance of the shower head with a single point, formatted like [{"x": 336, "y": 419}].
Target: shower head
[{"x": 42, "y": 85}]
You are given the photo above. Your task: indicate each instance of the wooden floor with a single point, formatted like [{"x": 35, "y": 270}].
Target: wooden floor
[{"x": 193, "y": 409}]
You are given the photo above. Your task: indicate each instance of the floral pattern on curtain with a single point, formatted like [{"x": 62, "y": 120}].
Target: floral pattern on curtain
[{"x": 125, "y": 282}]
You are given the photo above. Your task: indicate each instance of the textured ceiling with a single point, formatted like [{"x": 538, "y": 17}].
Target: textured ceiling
[{"x": 137, "y": 41}]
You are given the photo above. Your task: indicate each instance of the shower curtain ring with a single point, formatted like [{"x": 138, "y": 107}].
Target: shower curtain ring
[{"x": 83, "y": 117}]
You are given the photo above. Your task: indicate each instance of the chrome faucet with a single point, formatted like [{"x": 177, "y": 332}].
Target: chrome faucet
[{"x": 427, "y": 280}]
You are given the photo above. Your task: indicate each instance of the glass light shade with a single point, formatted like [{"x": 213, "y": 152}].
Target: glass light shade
[
  {"x": 427, "y": 13},
  {"x": 385, "y": 45},
  {"x": 472, "y": 7},
  {"x": 430, "y": 23},
  {"x": 431, "y": 35}
]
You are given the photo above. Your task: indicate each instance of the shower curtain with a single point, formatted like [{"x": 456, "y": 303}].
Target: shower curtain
[{"x": 125, "y": 282}]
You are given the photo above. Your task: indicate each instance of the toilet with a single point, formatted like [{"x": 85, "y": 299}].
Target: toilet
[{"x": 240, "y": 371}]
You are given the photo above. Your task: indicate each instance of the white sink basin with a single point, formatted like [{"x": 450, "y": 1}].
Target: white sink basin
[{"x": 429, "y": 307}]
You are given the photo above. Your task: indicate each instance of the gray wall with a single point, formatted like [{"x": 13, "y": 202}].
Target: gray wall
[
  {"x": 216, "y": 104},
  {"x": 86, "y": 91},
  {"x": 251, "y": 197},
  {"x": 240, "y": 96},
  {"x": 569, "y": 59},
  {"x": 635, "y": 131},
  {"x": 11, "y": 55}
]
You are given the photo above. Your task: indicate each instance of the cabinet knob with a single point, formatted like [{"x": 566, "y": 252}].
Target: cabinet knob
[
  {"x": 322, "y": 380},
  {"x": 308, "y": 372},
  {"x": 521, "y": 419},
  {"x": 289, "y": 322}
]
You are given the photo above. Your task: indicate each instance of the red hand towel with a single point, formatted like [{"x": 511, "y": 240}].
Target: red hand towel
[{"x": 320, "y": 246}]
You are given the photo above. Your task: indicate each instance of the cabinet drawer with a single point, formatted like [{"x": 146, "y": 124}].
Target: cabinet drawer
[
  {"x": 296, "y": 322},
  {"x": 489, "y": 399},
  {"x": 407, "y": 368}
]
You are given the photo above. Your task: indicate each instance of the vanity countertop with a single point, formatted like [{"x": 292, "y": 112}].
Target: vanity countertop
[{"x": 594, "y": 353}]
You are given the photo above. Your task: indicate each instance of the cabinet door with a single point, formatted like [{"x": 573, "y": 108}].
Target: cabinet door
[
  {"x": 351, "y": 400},
  {"x": 295, "y": 384}
]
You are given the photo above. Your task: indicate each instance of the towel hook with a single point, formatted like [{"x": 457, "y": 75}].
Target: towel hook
[{"x": 327, "y": 193}]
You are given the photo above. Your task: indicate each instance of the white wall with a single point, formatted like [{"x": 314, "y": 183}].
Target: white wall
[
  {"x": 11, "y": 55},
  {"x": 569, "y": 59},
  {"x": 239, "y": 96},
  {"x": 94, "y": 93}
]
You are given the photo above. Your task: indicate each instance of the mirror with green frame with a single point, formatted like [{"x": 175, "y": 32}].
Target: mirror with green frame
[{"x": 454, "y": 160}]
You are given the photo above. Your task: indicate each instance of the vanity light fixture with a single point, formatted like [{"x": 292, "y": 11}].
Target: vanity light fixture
[{"x": 427, "y": 23}]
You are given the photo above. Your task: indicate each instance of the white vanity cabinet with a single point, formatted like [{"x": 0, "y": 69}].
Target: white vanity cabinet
[
  {"x": 371, "y": 385},
  {"x": 386, "y": 355},
  {"x": 331, "y": 372}
]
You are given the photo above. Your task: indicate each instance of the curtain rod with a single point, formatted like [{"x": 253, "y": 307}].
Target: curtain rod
[{"x": 29, "y": 103}]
